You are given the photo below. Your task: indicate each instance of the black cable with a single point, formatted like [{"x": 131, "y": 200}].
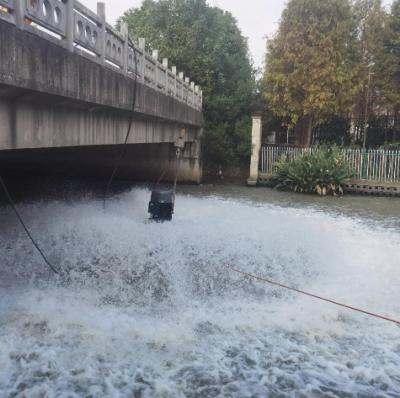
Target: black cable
[
  {"x": 123, "y": 152},
  {"x": 161, "y": 177},
  {"x": 178, "y": 154},
  {"x": 12, "y": 204}
]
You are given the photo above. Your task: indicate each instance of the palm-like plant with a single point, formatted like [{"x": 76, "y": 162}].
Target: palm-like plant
[{"x": 323, "y": 171}]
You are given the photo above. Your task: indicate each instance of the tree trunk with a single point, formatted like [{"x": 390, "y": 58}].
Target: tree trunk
[{"x": 303, "y": 131}]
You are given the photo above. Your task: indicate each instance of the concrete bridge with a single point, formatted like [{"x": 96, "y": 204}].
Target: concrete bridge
[{"x": 70, "y": 86}]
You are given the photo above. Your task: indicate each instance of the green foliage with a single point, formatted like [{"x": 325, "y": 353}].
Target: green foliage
[
  {"x": 206, "y": 43},
  {"x": 391, "y": 63},
  {"x": 391, "y": 146},
  {"x": 372, "y": 54},
  {"x": 334, "y": 59},
  {"x": 323, "y": 171},
  {"x": 311, "y": 74}
]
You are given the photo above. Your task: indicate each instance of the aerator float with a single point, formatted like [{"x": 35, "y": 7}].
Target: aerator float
[
  {"x": 161, "y": 206},
  {"x": 162, "y": 202}
]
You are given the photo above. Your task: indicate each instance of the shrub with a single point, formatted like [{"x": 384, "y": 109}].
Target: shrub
[
  {"x": 323, "y": 171},
  {"x": 391, "y": 146}
]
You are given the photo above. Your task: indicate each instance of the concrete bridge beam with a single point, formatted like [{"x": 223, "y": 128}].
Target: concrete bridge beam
[{"x": 70, "y": 85}]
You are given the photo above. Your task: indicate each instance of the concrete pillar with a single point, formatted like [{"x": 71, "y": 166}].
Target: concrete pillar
[
  {"x": 256, "y": 136},
  {"x": 174, "y": 88},
  {"x": 70, "y": 31},
  {"x": 192, "y": 94},
  {"x": 101, "y": 13},
  {"x": 125, "y": 34},
  {"x": 142, "y": 46},
  {"x": 142, "y": 43},
  {"x": 197, "y": 91},
  {"x": 190, "y": 169},
  {"x": 19, "y": 9},
  {"x": 165, "y": 65},
  {"x": 154, "y": 54}
]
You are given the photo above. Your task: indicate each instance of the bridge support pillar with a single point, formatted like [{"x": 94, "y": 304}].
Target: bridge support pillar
[{"x": 256, "y": 136}]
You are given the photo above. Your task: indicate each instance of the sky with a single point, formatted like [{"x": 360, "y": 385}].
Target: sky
[{"x": 258, "y": 19}]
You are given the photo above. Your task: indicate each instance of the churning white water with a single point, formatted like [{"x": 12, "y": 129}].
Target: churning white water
[{"x": 149, "y": 310}]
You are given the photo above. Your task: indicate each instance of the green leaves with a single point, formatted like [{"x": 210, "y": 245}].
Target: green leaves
[
  {"x": 323, "y": 171},
  {"x": 334, "y": 59},
  {"x": 206, "y": 43},
  {"x": 312, "y": 72}
]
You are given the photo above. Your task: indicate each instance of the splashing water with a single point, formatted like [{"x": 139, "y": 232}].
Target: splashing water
[{"x": 149, "y": 310}]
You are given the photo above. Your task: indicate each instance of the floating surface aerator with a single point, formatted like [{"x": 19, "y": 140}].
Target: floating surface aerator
[{"x": 161, "y": 206}]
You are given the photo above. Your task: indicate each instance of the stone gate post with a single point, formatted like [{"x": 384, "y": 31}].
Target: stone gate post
[{"x": 256, "y": 136}]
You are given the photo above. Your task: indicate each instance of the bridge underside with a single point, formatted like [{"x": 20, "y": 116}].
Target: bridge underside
[{"x": 142, "y": 162}]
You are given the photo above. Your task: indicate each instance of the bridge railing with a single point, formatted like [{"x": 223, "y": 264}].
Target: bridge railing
[
  {"x": 75, "y": 27},
  {"x": 370, "y": 165}
]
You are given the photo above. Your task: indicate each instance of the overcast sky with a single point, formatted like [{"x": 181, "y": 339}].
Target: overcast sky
[{"x": 257, "y": 18}]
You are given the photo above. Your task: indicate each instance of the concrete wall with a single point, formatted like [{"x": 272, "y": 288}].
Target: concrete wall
[
  {"x": 44, "y": 123},
  {"x": 38, "y": 65}
]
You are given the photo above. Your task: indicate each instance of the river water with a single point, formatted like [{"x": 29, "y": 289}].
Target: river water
[{"x": 150, "y": 310}]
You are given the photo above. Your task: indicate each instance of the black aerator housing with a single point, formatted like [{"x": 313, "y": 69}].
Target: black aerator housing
[{"x": 161, "y": 206}]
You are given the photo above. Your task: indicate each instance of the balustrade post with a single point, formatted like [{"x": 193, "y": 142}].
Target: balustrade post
[
  {"x": 182, "y": 78},
  {"x": 101, "y": 13},
  {"x": 165, "y": 65},
  {"x": 175, "y": 84},
  {"x": 142, "y": 43},
  {"x": 124, "y": 32},
  {"x": 196, "y": 90},
  {"x": 156, "y": 77},
  {"x": 187, "y": 81},
  {"x": 193, "y": 95},
  {"x": 70, "y": 26},
  {"x": 142, "y": 46},
  {"x": 19, "y": 9}
]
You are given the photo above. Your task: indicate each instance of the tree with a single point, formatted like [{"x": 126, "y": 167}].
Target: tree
[
  {"x": 207, "y": 44},
  {"x": 391, "y": 83},
  {"x": 311, "y": 74},
  {"x": 372, "y": 57}
]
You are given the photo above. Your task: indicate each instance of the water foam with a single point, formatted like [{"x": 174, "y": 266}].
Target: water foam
[{"x": 148, "y": 309}]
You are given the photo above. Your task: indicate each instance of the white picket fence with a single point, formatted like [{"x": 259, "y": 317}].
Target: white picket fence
[{"x": 371, "y": 165}]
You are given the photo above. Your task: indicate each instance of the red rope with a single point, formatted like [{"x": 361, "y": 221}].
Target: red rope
[{"x": 259, "y": 278}]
